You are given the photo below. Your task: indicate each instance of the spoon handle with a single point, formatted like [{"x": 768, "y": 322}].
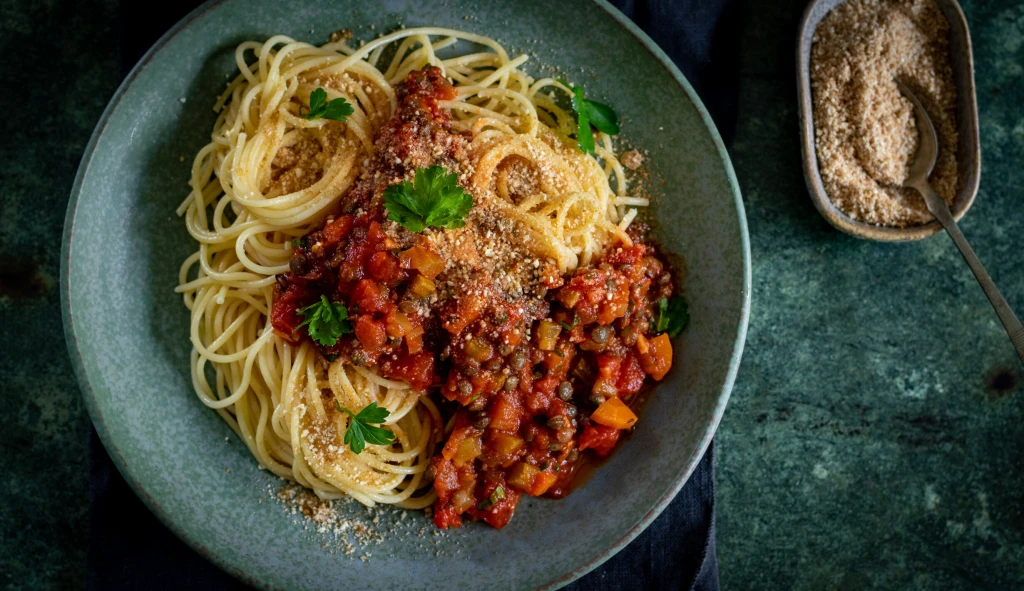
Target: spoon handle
[{"x": 1011, "y": 323}]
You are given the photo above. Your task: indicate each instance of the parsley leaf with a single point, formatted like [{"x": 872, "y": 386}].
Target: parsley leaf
[
  {"x": 603, "y": 117},
  {"x": 673, "y": 316},
  {"x": 320, "y": 108},
  {"x": 433, "y": 199},
  {"x": 590, "y": 113},
  {"x": 584, "y": 134},
  {"x": 360, "y": 431},
  {"x": 326, "y": 321}
]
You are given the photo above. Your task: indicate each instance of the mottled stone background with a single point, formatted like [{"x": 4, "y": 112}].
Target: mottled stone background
[{"x": 874, "y": 438}]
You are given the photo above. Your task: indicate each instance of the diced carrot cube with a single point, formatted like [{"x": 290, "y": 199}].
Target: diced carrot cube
[
  {"x": 542, "y": 483},
  {"x": 658, "y": 358},
  {"x": 615, "y": 414}
]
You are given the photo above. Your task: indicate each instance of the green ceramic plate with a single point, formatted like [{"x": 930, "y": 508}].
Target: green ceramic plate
[{"x": 127, "y": 330}]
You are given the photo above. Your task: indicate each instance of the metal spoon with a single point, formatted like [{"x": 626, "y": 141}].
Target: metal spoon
[{"x": 917, "y": 178}]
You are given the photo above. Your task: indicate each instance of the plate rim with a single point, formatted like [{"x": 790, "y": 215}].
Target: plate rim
[{"x": 96, "y": 416}]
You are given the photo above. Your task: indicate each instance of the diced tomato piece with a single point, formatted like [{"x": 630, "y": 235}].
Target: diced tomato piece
[
  {"x": 383, "y": 267},
  {"x": 375, "y": 235},
  {"x": 631, "y": 376},
  {"x": 511, "y": 335},
  {"x": 370, "y": 296},
  {"x": 467, "y": 310},
  {"x": 608, "y": 366},
  {"x": 446, "y": 480},
  {"x": 614, "y": 308},
  {"x": 394, "y": 328},
  {"x": 631, "y": 255},
  {"x": 337, "y": 230},
  {"x": 445, "y": 516},
  {"x": 507, "y": 331},
  {"x": 356, "y": 255},
  {"x": 498, "y": 514},
  {"x": 586, "y": 312},
  {"x": 596, "y": 296},
  {"x": 483, "y": 382},
  {"x": 587, "y": 285},
  {"x": 370, "y": 333},
  {"x": 539, "y": 399},
  {"x": 415, "y": 369},
  {"x": 599, "y": 438},
  {"x": 284, "y": 314}
]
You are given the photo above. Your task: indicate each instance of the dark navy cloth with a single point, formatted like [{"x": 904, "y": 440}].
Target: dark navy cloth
[{"x": 130, "y": 549}]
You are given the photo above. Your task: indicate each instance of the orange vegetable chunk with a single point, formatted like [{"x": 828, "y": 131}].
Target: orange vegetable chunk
[
  {"x": 468, "y": 451},
  {"x": 542, "y": 483},
  {"x": 427, "y": 262},
  {"x": 522, "y": 476},
  {"x": 658, "y": 358},
  {"x": 504, "y": 414},
  {"x": 505, "y": 447},
  {"x": 615, "y": 414}
]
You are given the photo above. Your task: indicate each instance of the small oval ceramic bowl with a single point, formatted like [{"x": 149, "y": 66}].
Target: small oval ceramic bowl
[{"x": 968, "y": 155}]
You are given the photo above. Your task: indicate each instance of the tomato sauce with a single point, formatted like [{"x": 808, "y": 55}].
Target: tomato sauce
[{"x": 534, "y": 387}]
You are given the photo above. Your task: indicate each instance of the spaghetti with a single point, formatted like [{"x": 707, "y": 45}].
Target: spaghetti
[{"x": 270, "y": 176}]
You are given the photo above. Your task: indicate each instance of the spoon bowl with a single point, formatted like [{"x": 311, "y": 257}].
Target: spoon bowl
[{"x": 928, "y": 143}]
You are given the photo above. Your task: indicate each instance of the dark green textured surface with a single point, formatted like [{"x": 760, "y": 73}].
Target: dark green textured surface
[
  {"x": 874, "y": 435},
  {"x": 59, "y": 73}
]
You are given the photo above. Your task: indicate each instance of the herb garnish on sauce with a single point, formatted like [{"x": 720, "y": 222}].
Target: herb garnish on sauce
[{"x": 433, "y": 199}]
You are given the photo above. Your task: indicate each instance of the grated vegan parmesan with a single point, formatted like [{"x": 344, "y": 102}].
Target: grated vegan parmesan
[{"x": 865, "y": 130}]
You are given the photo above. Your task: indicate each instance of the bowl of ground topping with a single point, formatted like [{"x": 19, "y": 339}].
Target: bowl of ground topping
[{"x": 859, "y": 134}]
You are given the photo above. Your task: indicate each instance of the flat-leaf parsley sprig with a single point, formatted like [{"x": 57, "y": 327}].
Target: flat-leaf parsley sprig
[
  {"x": 433, "y": 199},
  {"x": 326, "y": 321},
  {"x": 590, "y": 113},
  {"x": 673, "y": 316},
  {"x": 361, "y": 431},
  {"x": 320, "y": 108}
]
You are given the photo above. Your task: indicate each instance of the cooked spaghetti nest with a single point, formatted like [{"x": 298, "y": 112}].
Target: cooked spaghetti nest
[{"x": 269, "y": 176}]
